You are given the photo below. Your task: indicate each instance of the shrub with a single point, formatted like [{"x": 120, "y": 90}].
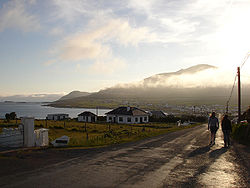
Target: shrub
[{"x": 241, "y": 133}]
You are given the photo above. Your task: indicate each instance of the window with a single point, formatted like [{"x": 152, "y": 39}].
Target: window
[
  {"x": 136, "y": 119},
  {"x": 110, "y": 118},
  {"x": 121, "y": 119},
  {"x": 145, "y": 118},
  {"x": 129, "y": 119}
]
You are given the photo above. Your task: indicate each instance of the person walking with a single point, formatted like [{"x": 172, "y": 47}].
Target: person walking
[
  {"x": 226, "y": 126},
  {"x": 213, "y": 126}
]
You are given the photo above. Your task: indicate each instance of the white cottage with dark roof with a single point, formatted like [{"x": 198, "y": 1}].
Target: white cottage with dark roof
[
  {"x": 87, "y": 117},
  {"x": 57, "y": 117},
  {"x": 127, "y": 115}
]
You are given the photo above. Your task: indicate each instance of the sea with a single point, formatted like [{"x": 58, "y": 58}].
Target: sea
[{"x": 40, "y": 110}]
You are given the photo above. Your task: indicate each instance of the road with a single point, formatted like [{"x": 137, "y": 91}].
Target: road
[{"x": 178, "y": 159}]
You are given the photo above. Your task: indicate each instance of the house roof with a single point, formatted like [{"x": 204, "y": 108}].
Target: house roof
[
  {"x": 158, "y": 113},
  {"x": 86, "y": 113},
  {"x": 133, "y": 111}
]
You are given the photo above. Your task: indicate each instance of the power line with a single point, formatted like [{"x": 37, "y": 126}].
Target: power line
[
  {"x": 231, "y": 93},
  {"x": 245, "y": 59}
]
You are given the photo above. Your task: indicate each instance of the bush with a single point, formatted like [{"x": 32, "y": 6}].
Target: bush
[
  {"x": 183, "y": 118},
  {"x": 58, "y": 127},
  {"x": 241, "y": 133}
]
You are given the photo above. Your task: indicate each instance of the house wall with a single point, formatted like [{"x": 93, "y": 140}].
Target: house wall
[
  {"x": 86, "y": 119},
  {"x": 126, "y": 119},
  {"x": 57, "y": 117}
]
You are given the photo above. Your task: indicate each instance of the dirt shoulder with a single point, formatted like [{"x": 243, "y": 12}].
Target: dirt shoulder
[{"x": 242, "y": 156}]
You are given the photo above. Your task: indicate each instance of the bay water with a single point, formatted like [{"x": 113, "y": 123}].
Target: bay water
[{"x": 40, "y": 111}]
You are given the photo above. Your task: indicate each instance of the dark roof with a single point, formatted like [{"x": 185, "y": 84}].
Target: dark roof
[
  {"x": 133, "y": 111},
  {"x": 158, "y": 113},
  {"x": 86, "y": 113}
]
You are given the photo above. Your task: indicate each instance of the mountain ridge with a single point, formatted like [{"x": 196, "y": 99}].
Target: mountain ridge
[{"x": 143, "y": 93}]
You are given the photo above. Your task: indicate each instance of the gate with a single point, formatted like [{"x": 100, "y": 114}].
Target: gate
[{"x": 12, "y": 137}]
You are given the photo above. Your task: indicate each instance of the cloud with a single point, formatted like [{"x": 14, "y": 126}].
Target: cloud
[
  {"x": 14, "y": 14},
  {"x": 107, "y": 67},
  {"x": 56, "y": 31},
  {"x": 50, "y": 62},
  {"x": 72, "y": 10},
  {"x": 181, "y": 22},
  {"x": 95, "y": 43},
  {"x": 201, "y": 79}
]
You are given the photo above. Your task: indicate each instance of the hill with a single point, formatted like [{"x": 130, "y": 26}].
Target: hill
[
  {"x": 31, "y": 98},
  {"x": 191, "y": 86},
  {"x": 74, "y": 94}
]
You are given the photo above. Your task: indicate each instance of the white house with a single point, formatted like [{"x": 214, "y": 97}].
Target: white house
[
  {"x": 57, "y": 116},
  {"x": 127, "y": 115},
  {"x": 87, "y": 117}
]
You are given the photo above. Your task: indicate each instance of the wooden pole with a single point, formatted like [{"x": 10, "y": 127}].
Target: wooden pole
[
  {"x": 239, "y": 96},
  {"x": 227, "y": 108}
]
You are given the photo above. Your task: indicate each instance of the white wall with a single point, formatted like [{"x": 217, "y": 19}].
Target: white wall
[
  {"x": 57, "y": 116},
  {"x": 41, "y": 137},
  {"x": 24, "y": 135},
  {"x": 124, "y": 119},
  {"x": 29, "y": 139},
  {"x": 85, "y": 118},
  {"x": 11, "y": 137}
]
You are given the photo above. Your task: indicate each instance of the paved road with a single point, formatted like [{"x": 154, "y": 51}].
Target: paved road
[{"x": 179, "y": 159}]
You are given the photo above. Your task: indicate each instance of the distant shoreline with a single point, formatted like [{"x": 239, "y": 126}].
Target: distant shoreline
[{"x": 76, "y": 107}]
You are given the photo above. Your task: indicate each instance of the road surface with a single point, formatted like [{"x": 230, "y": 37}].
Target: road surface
[{"x": 178, "y": 159}]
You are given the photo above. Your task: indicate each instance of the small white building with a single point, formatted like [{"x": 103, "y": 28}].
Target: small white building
[
  {"x": 87, "y": 117},
  {"x": 57, "y": 116},
  {"x": 127, "y": 115}
]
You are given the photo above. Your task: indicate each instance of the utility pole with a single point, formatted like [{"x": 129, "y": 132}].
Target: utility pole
[
  {"x": 97, "y": 110},
  {"x": 239, "y": 96},
  {"x": 227, "y": 107}
]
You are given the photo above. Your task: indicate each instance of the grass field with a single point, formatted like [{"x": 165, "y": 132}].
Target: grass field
[{"x": 98, "y": 134}]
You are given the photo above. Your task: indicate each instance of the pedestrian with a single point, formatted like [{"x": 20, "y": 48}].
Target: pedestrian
[
  {"x": 213, "y": 126},
  {"x": 226, "y": 126}
]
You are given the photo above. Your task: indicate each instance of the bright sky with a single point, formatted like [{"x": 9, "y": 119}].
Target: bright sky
[{"x": 56, "y": 46}]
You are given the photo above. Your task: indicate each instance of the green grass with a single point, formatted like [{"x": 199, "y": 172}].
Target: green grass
[{"x": 99, "y": 134}]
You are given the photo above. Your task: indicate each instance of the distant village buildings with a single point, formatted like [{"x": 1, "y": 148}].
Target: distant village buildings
[
  {"x": 127, "y": 115},
  {"x": 87, "y": 117},
  {"x": 57, "y": 116}
]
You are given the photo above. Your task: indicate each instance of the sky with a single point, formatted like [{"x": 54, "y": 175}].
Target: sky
[{"x": 57, "y": 46}]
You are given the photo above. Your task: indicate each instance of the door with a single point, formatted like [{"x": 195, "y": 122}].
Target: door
[{"x": 141, "y": 120}]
